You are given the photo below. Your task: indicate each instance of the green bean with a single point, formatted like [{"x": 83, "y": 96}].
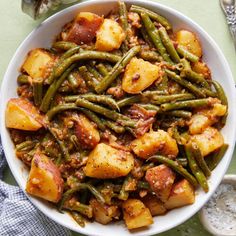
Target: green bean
[
  {"x": 26, "y": 145},
  {"x": 200, "y": 160},
  {"x": 121, "y": 119},
  {"x": 128, "y": 101},
  {"x": 23, "y": 79},
  {"x": 215, "y": 159},
  {"x": 220, "y": 92},
  {"x": 150, "y": 55},
  {"x": 192, "y": 75},
  {"x": 94, "y": 72},
  {"x": 187, "y": 54},
  {"x": 50, "y": 94},
  {"x": 59, "y": 159},
  {"x": 193, "y": 89},
  {"x": 61, "y": 143},
  {"x": 146, "y": 37},
  {"x": 182, "y": 161},
  {"x": 186, "y": 104},
  {"x": 80, "y": 186},
  {"x": 197, "y": 172},
  {"x": 78, "y": 218},
  {"x": 147, "y": 166},
  {"x": 69, "y": 53},
  {"x": 176, "y": 167},
  {"x": 37, "y": 84},
  {"x": 90, "y": 80},
  {"x": 108, "y": 66},
  {"x": 150, "y": 107},
  {"x": 124, "y": 194},
  {"x": 149, "y": 93},
  {"x": 209, "y": 93},
  {"x": 84, "y": 55},
  {"x": 168, "y": 45},
  {"x": 86, "y": 210},
  {"x": 63, "y": 45},
  {"x": 114, "y": 126},
  {"x": 179, "y": 113},
  {"x": 117, "y": 69},
  {"x": 102, "y": 69},
  {"x": 160, "y": 99},
  {"x": 93, "y": 117},
  {"x": 73, "y": 81},
  {"x": 153, "y": 15},
  {"x": 155, "y": 37}
]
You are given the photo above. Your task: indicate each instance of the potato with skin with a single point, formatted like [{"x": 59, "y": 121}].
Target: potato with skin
[
  {"x": 106, "y": 162},
  {"x": 44, "y": 179},
  {"x": 155, "y": 142},
  {"x": 136, "y": 215},
  {"x": 104, "y": 213},
  {"x": 155, "y": 205},
  {"x": 37, "y": 62},
  {"x": 208, "y": 141},
  {"x": 109, "y": 36},
  {"x": 182, "y": 194},
  {"x": 190, "y": 41},
  {"x": 86, "y": 132},
  {"x": 160, "y": 179},
  {"x": 206, "y": 117},
  {"x": 21, "y": 114},
  {"x": 139, "y": 75},
  {"x": 84, "y": 28}
]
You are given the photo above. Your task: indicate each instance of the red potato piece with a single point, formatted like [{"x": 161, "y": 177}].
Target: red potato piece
[
  {"x": 84, "y": 28},
  {"x": 44, "y": 179},
  {"x": 161, "y": 179},
  {"x": 86, "y": 132},
  {"x": 21, "y": 114}
]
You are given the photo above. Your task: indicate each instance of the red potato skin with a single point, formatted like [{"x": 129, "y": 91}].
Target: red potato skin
[{"x": 84, "y": 30}]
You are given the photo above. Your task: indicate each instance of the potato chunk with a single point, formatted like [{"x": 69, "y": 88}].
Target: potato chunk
[
  {"x": 44, "y": 179},
  {"x": 37, "y": 63},
  {"x": 155, "y": 142},
  {"x": 182, "y": 194},
  {"x": 154, "y": 204},
  {"x": 21, "y": 114},
  {"x": 86, "y": 132},
  {"x": 106, "y": 162},
  {"x": 208, "y": 141},
  {"x": 206, "y": 117},
  {"x": 139, "y": 75},
  {"x": 136, "y": 215},
  {"x": 189, "y": 41},
  {"x": 160, "y": 179},
  {"x": 104, "y": 213},
  {"x": 202, "y": 68},
  {"x": 84, "y": 28},
  {"x": 109, "y": 36}
]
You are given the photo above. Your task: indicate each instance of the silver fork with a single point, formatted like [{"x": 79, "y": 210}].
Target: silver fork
[{"x": 229, "y": 8}]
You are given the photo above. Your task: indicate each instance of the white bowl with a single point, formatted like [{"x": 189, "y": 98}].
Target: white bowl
[
  {"x": 43, "y": 36},
  {"x": 228, "y": 179}
]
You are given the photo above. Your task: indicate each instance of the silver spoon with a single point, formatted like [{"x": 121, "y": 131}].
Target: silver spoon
[{"x": 229, "y": 8}]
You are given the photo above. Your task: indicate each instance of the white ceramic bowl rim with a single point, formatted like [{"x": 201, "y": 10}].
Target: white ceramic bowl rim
[{"x": 191, "y": 210}]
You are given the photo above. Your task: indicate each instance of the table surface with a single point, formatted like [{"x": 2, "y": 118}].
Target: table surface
[{"x": 16, "y": 26}]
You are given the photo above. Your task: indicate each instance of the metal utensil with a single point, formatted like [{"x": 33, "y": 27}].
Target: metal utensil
[{"x": 228, "y": 6}]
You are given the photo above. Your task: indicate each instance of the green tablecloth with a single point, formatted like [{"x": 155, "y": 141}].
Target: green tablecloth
[{"x": 15, "y": 26}]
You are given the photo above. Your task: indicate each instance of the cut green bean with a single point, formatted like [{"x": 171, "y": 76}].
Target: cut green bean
[
  {"x": 128, "y": 101},
  {"x": 150, "y": 55},
  {"x": 78, "y": 218},
  {"x": 114, "y": 126},
  {"x": 94, "y": 72},
  {"x": 197, "y": 172},
  {"x": 179, "y": 113},
  {"x": 90, "y": 80},
  {"x": 23, "y": 79},
  {"x": 186, "y": 54},
  {"x": 63, "y": 45},
  {"x": 117, "y": 69},
  {"x": 186, "y": 104},
  {"x": 50, "y": 94},
  {"x": 153, "y": 15},
  {"x": 119, "y": 118},
  {"x": 155, "y": 37},
  {"x": 69, "y": 53},
  {"x": 200, "y": 160},
  {"x": 26, "y": 145},
  {"x": 102, "y": 69},
  {"x": 146, "y": 37},
  {"x": 160, "y": 99},
  {"x": 37, "y": 84},
  {"x": 169, "y": 45},
  {"x": 84, "y": 55},
  {"x": 176, "y": 167},
  {"x": 124, "y": 195},
  {"x": 214, "y": 160},
  {"x": 186, "y": 84},
  {"x": 220, "y": 92},
  {"x": 150, "y": 107},
  {"x": 73, "y": 81}
]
